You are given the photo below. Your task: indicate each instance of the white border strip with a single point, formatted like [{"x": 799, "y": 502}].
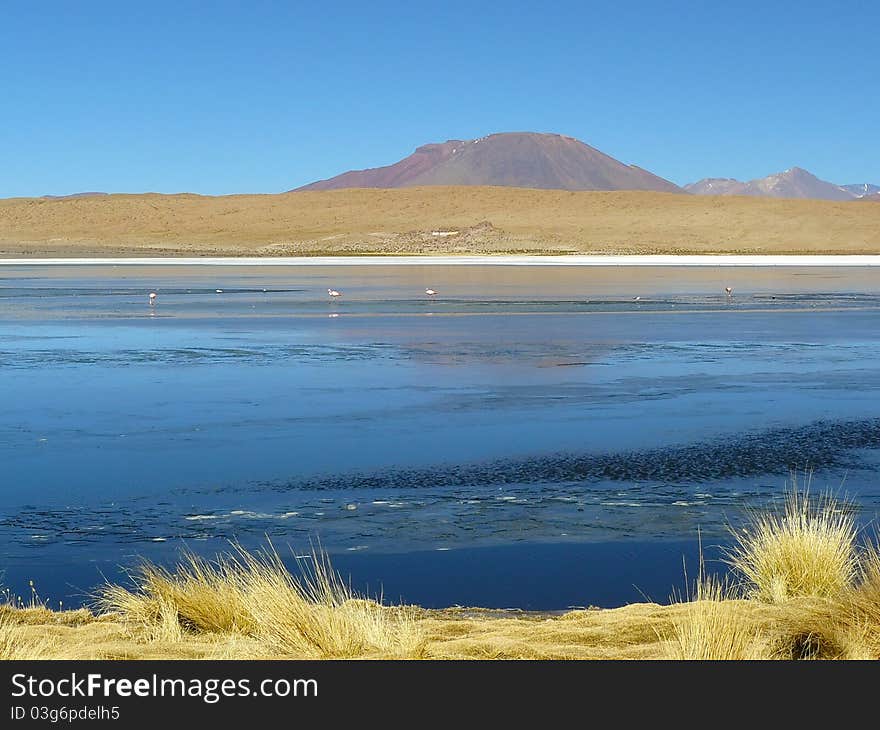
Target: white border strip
[{"x": 599, "y": 260}]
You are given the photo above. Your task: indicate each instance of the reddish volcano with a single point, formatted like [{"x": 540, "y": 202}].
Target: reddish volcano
[{"x": 517, "y": 159}]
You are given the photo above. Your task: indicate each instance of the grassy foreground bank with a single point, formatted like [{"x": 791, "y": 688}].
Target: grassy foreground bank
[{"x": 808, "y": 590}]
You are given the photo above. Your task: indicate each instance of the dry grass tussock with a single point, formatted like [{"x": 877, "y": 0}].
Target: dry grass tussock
[
  {"x": 254, "y": 595},
  {"x": 719, "y": 625},
  {"x": 818, "y": 628},
  {"x": 808, "y": 548},
  {"x": 862, "y": 601},
  {"x": 805, "y": 591}
]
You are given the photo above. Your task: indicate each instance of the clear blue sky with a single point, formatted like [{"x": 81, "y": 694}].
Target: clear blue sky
[{"x": 223, "y": 97}]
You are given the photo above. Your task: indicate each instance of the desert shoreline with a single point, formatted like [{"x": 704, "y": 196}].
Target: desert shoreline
[
  {"x": 434, "y": 221},
  {"x": 711, "y": 260}
]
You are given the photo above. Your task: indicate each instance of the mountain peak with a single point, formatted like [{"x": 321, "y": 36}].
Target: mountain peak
[
  {"x": 508, "y": 159},
  {"x": 800, "y": 172}
]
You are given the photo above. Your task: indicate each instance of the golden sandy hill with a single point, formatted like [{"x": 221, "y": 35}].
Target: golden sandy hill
[{"x": 432, "y": 220}]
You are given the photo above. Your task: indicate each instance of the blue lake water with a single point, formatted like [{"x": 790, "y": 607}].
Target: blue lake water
[{"x": 469, "y": 444}]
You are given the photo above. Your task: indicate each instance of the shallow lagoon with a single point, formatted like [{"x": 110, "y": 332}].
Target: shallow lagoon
[{"x": 524, "y": 420}]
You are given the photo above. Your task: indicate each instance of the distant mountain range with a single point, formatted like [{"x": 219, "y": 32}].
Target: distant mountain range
[
  {"x": 73, "y": 195},
  {"x": 865, "y": 190},
  {"x": 793, "y": 183},
  {"x": 557, "y": 162},
  {"x": 515, "y": 159}
]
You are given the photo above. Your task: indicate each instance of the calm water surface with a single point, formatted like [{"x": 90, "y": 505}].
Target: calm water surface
[{"x": 463, "y": 448}]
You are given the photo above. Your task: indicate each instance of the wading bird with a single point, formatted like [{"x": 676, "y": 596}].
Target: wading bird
[
  {"x": 332, "y": 293},
  {"x": 152, "y": 298},
  {"x": 729, "y": 291},
  {"x": 430, "y": 292}
]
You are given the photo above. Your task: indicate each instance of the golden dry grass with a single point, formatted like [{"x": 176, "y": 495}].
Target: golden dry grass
[
  {"x": 800, "y": 629},
  {"x": 16, "y": 642},
  {"x": 862, "y": 602},
  {"x": 718, "y": 624},
  {"x": 401, "y": 221},
  {"x": 818, "y": 628},
  {"x": 197, "y": 595},
  {"x": 802, "y": 560},
  {"x": 808, "y": 548},
  {"x": 866, "y": 595},
  {"x": 715, "y": 625},
  {"x": 253, "y": 595}
]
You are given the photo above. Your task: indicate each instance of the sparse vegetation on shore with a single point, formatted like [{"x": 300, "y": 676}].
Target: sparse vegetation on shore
[
  {"x": 485, "y": 220},
  {"x": 807, "y": 591}
]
